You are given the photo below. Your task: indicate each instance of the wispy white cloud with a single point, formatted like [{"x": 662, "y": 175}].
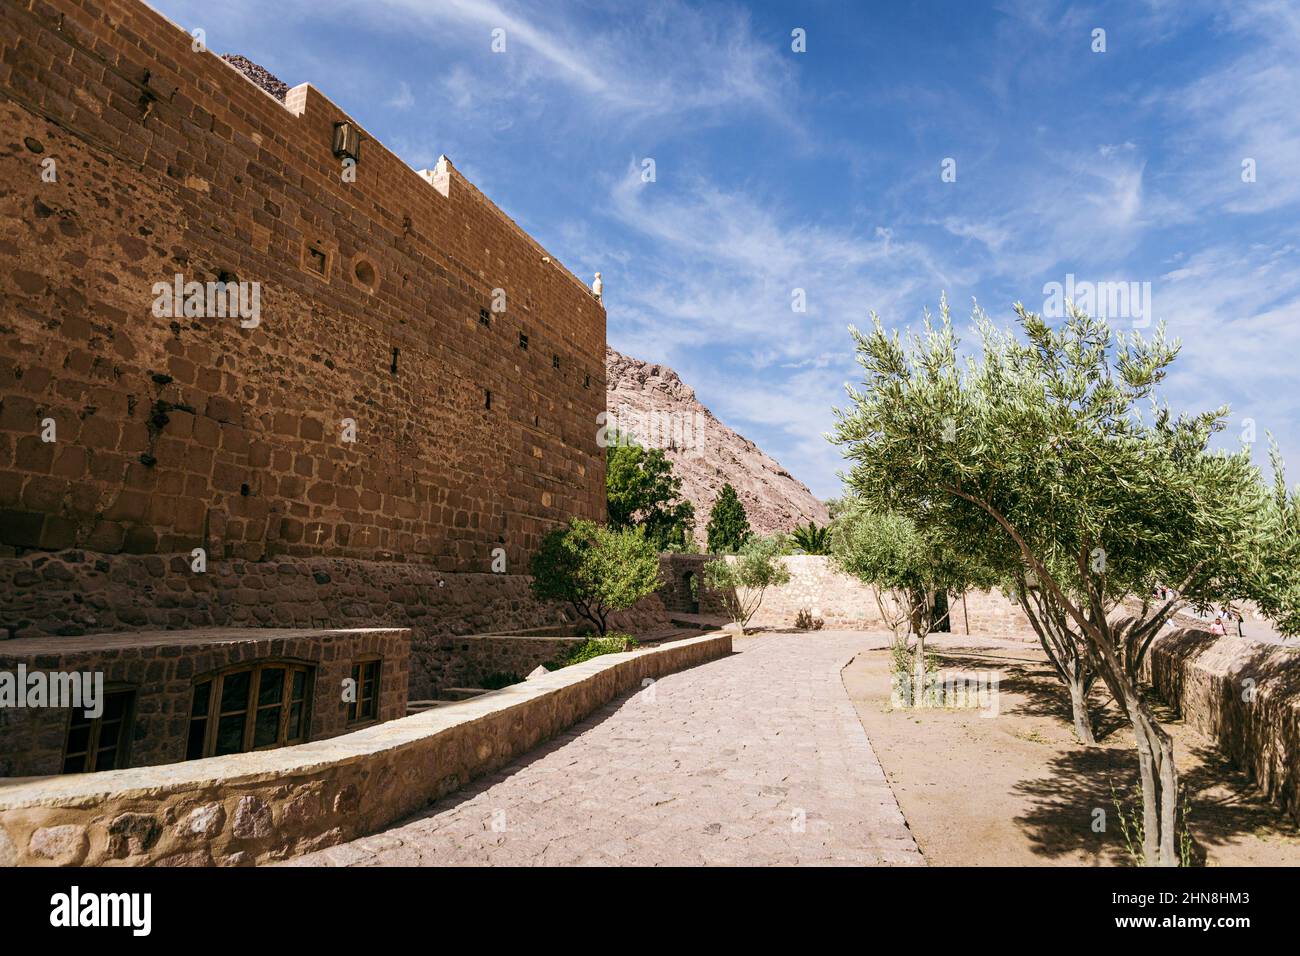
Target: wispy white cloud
[{"x": 403, "y": 99}]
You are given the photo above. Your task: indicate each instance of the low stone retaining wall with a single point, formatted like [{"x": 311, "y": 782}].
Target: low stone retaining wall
[
  {"x": 264, "y": 806},
  {"x": 1242, "y": 694}
]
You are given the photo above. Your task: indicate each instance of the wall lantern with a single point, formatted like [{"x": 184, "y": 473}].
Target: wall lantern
[{"x": 347, "y": 142}]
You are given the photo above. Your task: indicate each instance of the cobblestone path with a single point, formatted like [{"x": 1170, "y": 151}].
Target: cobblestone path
[{"x": 755, "y": 759}]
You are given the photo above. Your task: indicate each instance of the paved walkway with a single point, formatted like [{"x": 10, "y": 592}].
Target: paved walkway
[{"x": 755, "y": 759}]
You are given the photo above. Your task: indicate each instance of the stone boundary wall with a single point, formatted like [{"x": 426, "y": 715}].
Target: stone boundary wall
[
  {"x": 162, "y": 668},
  {"x": 675, "y": 591},
  {"x": 990, "y": 613},
  {"x": 1205, "y": 677},
  {"x": 843, "y": 601},
  {"x": 77, "y": 592},
  {"x": 260, "y": 807}
]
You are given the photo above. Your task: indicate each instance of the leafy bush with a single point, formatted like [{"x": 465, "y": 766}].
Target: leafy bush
[
  {"x": 614, "y": 643},
  {"x": 596, "y": 570},
  {"x": 742, "y": 581},
  {"x": 499, "y": 679}
]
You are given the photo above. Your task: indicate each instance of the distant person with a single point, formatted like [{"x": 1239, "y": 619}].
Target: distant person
[{"x": 1217, "y": 627}]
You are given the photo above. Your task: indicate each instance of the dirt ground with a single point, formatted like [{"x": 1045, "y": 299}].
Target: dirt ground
[{"x": 1016, "y": 790}]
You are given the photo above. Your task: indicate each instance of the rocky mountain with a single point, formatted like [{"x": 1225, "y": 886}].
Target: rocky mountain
[{"x": 654, "y": 404}]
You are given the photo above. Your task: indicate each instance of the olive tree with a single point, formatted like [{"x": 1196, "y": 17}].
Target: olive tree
[
  {"x": 906, "y": 565},
  {"x": 743, "y": 579},
  {"x": 1277, "y": 570},
  {"x": 1063, "y": 645},
  {"x": 1042, "y": 440}
]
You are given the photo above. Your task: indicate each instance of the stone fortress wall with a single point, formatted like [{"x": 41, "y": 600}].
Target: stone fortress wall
[{"x": 176, "y": 432}]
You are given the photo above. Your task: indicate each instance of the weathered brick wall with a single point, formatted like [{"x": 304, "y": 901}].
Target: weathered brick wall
[
  {"x": 163, "y": 668},
  {"x": 174, "y": 433}
]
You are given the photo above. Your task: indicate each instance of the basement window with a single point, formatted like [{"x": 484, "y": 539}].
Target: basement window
[
  {"x": 365, "y": 677},
  {"x": 523, "y": 341},
  {"x": 100, "y": 743},
  {"x": 246, "y": 708}
]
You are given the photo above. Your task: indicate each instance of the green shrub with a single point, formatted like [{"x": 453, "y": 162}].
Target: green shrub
[
  {"x": 499, "y": 679},
  {"x": 596, "y": 570},
  {"x": 741, "y": 582},
  {"x": 614, "y": 643}
]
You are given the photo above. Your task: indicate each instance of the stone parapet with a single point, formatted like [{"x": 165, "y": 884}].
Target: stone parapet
[
  {"x": 1242, "y": 694},
  {"x": 266, "y": 806}
]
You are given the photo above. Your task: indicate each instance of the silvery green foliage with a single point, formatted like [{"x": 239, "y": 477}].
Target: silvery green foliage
[
  {"x": 1063, "y": 462},
  {"x": 742, "y": 580},
  {"x": 1060, "y": 452},
  {"x": 1277, "y": 573}
]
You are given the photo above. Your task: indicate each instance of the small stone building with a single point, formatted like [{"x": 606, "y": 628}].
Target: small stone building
[{"x": 168, "y": 696}]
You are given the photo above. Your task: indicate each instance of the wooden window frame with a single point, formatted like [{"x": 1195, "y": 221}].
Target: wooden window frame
[
  {"x": 355, "y": 717},
  {"x": 212, "y": 714},
  {"x": 91, "y": 753}
]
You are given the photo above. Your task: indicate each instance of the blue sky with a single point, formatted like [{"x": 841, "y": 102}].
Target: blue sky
[{"x": 821, "y": 170}]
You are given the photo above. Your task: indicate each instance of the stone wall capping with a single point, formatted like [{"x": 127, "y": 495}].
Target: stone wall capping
[
  {"x": 27, "y": 646},
  {"x": 325, "y": 792}
]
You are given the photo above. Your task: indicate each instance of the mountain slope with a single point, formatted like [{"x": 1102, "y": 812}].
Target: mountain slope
[{"x": 653, "y": 403}]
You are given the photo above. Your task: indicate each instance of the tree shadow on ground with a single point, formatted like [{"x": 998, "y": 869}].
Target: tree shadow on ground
[
  {"x": 1043, "y": 693},
  {"x": 1223, "y": 803},
  {"x": 1219, "y": 801},
  {"x": 1074, "y": 799}
]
